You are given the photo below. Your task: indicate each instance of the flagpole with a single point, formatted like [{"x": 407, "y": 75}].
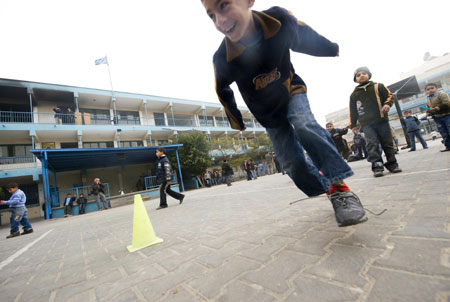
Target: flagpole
[{"x": 115, "y": 121}]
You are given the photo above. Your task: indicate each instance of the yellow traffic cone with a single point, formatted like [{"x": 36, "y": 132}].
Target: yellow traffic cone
[{"x": 143, "y": 233}]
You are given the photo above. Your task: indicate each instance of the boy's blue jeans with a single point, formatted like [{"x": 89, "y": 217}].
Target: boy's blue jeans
[
  {"x": 443, "y": 125},
  {"x": 19, "y": 216},
  {"x": 298, "y": 133}
]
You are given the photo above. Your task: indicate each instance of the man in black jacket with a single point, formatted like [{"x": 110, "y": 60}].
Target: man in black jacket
[{"x": 164, "y": 177}]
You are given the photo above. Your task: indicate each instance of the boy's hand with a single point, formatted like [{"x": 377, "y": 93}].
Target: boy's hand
[
  {"x": 385, "y": 109},
  {"x": 2, "y": 202}
]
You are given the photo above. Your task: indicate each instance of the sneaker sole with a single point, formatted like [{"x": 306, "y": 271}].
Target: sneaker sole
[{"x": 353, "y": 222}]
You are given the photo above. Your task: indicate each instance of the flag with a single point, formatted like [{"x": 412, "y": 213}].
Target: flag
[{"x": 103, "y": 60}]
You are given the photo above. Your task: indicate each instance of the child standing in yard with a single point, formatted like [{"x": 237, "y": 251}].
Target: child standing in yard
[
  {"x": 369, "y": 104},
  {"x": 18, "y": 211},
  {"x": 255, "y": 54},
  {"x": 412, "y": 126}
]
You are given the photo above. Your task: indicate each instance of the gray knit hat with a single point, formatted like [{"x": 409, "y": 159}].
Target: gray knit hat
[{"x": 362, "y": 68}]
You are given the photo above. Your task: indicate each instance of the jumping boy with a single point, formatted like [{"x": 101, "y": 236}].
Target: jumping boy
[
  {"x": 256, "y": 55},
  {"x": 18, "y": 211},
  {"x": 369, "y": 104},
  {"x": 164, "y": 178}
]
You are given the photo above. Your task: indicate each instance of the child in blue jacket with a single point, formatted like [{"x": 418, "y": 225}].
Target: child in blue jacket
[{"x": 18, "y": 211}]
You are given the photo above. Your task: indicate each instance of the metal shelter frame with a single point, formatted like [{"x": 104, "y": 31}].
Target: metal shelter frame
[{"x": 61, "y": 160}]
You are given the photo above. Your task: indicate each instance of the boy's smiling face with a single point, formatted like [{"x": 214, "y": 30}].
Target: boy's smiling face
[
  {"x": 233, "y": 18},
  {"x": 362, "y": 77}
]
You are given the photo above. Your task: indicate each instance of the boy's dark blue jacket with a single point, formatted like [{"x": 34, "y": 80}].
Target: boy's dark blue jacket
[
  {"x": 412, "y": 123},
  {"x": 163, "y": 170},
  {"x": 262, "y": 68}
]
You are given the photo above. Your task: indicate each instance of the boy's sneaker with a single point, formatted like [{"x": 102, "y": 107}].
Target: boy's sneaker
[
  {"x": 347, "y": 208},
  {"x": 29, "y": 231},
  {"x": 378, "y": 173},
  {"x": 395, "y": 170},
  {"x": 15, "y": 234},
  {"x": 182, "y": 198}
]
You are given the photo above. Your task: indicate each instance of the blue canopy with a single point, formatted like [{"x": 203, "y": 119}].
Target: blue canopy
[{"x": 59, "y": 160}]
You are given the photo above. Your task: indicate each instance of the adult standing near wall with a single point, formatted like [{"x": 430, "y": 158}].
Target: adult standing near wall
[
  {"x": 98, "y": 190},
  {"x": 269, "y": 162},
  {"x": 227, "y": 171}
]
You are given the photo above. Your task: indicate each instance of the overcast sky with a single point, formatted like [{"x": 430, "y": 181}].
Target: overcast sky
[{"x": 165, "y": 47}]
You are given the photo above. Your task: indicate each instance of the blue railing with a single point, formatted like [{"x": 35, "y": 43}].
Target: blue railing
[
  {"x": 16, "y": 160},
  {"x": 59, "y": 196},
  {"x": 150, "y": 181}
]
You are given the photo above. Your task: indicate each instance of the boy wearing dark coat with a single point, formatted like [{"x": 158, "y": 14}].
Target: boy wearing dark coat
[
  {"x": 164, "y": 178},
  {"x": 370, "y": 103},
  {"x": 412, "y": 126},
  {"x": 255, "y": 54}
]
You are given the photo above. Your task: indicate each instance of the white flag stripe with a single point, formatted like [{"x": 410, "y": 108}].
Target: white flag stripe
[{"x": 103, "y": 60}]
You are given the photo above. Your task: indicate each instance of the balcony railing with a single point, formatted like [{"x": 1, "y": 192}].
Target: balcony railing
[
  {"x": 85, "y": 118},
  {"x": 16, "y": 160}
]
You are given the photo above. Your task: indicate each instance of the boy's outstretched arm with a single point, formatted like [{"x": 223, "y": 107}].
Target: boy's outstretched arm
[
  {"x": 307, "y": 40},
  {"x": 226, "y": 98}
]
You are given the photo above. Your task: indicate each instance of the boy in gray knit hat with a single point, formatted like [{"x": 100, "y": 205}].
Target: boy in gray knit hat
[{"x": 370, "y": 103}]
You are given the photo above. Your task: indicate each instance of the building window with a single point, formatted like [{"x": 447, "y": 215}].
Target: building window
[
  {"x": 222, "y": 121},
  {"x": 47, "y": 145},
  {"x": 96, "y": 145},
  {"x": 209, "y": 122},
  {"x": 162, "y": 142},
  {"x": 128, "y": 117},
  {"x": 130, "y": 144},
  {"x": 159, "y": 119},
  {"x": 182, "y": 120},
  {"x": 248, "y": 122},
  {"x": 98, "y": 116},
  {"x": 15, "y": 154}
]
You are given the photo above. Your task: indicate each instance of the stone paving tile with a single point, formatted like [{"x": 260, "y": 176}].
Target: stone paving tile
[
  {"x": 425, "y": 227},
  {"x": 64, "y": 293},
  {"x": 174, "y": 262},
  {"x": 397, "y": 286},
  {"x": 264, "y": 251},
  {"x": 367, "y": 235},
  {"x": 344, "y": 264},
  {"x": 216, "y": 258},
  {"x": 211, "y": 284},
  {"x": 311, "y": 289},
  {"x": 180, "y": 295},
  {"x": 155, "y": 289},
  {"x": 125, "y": 296},
  {"x": 238, "y": 291},
  {"x": 315, "y": 242},
  {"x": 428, "y": 256},
  {"x": 274, "y": 275}
]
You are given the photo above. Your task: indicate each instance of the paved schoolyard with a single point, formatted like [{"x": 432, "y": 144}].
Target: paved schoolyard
[{"x": 247, "y": 243}]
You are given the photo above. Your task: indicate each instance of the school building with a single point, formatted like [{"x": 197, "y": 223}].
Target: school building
[
  {"x": 433, "y": 70},
  {"x": 77, "y": 134}
]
